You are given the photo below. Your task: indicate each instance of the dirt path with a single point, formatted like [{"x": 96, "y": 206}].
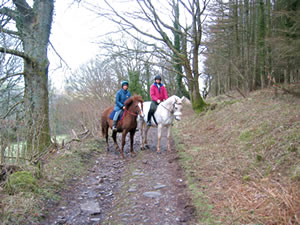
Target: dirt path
[{"x": 147, "y": 189}]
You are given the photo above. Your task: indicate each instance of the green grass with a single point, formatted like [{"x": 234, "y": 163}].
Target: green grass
[
  {"x": 21, "y": 181},
  {"x": 203, "y": 209},
  {"x": 11, "y": 151}
]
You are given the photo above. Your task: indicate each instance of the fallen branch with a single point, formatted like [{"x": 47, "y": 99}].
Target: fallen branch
[
  {"x": 241, "y": 93},
  {"x": 273, "y": 83},
  {"x": 76, "y": 138}
]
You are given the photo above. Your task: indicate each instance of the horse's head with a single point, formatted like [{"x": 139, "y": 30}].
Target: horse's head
[
  {"x": 135, "y": 105},
  {"x": 175, "y": 106}
]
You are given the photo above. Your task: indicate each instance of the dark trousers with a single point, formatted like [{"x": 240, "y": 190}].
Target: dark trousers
[{"x": 152, "y": 110}]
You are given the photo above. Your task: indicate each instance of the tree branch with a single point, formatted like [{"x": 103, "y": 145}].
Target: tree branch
[
  {"x": 11, "y": 75},
  {"x": 8, "y": 12},
  {"x": 23, "y": 7},
  {"x": 16, "y": 53},
  {"x": 10, "y": 32},
  {"x": 14, "y": 106}
]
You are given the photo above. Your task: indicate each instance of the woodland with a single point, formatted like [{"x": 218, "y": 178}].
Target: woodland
[{"x": 233, "y": 45}]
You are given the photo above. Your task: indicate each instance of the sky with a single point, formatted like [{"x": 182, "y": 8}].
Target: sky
[{"x": 73, "y": 36}]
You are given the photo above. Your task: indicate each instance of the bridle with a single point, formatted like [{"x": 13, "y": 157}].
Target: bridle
[
  {"x": 135, "y": 114},
  {"x": 174, "y": 106}
]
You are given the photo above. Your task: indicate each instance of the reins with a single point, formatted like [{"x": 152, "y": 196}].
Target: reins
[
  {"x": 171, "y": 111},
  {"x": 131, "y": 113}
]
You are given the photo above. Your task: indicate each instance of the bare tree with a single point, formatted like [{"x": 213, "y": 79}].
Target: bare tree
[
  {"x": 160, "y": 17},
  {"x": 90, "y": 90},
  {"x": 32, "y": 25}
]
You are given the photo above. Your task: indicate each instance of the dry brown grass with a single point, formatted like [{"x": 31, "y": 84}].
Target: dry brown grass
[{"x": 244, "y": 156}]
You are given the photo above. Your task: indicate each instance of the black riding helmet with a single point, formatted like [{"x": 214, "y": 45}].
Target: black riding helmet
[{"x": 157, "y": 77}]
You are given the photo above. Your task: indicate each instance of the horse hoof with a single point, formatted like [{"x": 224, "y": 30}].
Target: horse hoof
[{"x": 147, "y": 146}]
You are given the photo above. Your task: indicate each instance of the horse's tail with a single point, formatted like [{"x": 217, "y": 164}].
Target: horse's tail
[{"x": 103, "y": 126}]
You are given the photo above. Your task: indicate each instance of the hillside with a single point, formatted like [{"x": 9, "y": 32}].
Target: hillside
[{"x": 242, "y": 159}]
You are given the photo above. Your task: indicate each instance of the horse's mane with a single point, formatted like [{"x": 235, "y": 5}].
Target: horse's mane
[
  {"x": 134, "y": 98},
  {"x": 172, "y": 99}
]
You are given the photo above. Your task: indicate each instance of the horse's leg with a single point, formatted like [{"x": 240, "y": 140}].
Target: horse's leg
[
  {"x": 159, "y": 128},
  {"x": 106, "y": 136},
  {"x": 146, "y": 137},
  {"x": 131, "y": 142},
  {"x": 114, "y": 136},
  {"x": 142, "y": 136},
  {"x": 124, "y": 133},
  {"x": 168, "y": 138}
]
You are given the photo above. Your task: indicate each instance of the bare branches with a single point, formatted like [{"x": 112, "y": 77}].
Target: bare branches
[
  {"x": 10, "y": 76},
  {"x": 16, "y": 53},
  {"x": 10, "y": 32},
  {"x": 23, "y": 7},
  {"x": 8, "y": 12},
  {"x": 11, "y": 109},
  {"x": 128, "y": 24}
]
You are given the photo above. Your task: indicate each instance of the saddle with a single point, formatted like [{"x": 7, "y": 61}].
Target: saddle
[{"x": 111, "y": 116}]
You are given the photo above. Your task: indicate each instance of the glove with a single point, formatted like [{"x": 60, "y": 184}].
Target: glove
[{"x": 158, "y": 101}]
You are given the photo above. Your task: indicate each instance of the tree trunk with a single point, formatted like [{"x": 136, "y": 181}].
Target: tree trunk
[
  {"x": 261, "y": 43},
  {"x": 34, "y": 27},
  {"x": 285, "y": 72},
  {"x": 197, "y": 101},
  {"x": 37, "y": 112},
  {"x": 180, "y": 88}
]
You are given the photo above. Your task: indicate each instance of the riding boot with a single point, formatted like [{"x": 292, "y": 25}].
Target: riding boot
[
  {"x": 149, "y": 119},
  {"x": 114, "y": 126},
  {"x": 149, "y": 123}
]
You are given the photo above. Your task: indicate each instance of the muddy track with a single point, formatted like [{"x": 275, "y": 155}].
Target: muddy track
[{"x": 147, "y": 189}]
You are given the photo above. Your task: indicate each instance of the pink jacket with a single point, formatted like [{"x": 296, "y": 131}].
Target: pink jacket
[{"x": 156, "y": 94}]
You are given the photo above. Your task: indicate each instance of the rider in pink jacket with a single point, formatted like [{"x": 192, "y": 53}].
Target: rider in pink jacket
[{"x": 158, "y": 93}]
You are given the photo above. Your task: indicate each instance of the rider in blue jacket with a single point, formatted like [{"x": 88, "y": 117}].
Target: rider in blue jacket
[{"x": 122, "y": 95}]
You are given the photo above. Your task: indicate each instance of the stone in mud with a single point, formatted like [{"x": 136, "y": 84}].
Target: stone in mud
[
  {"x": 132, "y": 189},
  {"x": 91, "y": 207},
  {"x": 137, "y": 173},
  {"x": 152, "y": 194},
  {"x": 159, "y": 186},
  {"x": 61, "y": 221},
  {"x": 95, "y": 219}
]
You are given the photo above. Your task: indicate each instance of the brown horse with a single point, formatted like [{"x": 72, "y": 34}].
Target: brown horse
[{"x": 128, "y": 123}]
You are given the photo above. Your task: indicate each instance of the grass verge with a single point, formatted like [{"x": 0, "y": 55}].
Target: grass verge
[
  {"x": 26, "y": 197},
  {"x": 242, "y": 159}
]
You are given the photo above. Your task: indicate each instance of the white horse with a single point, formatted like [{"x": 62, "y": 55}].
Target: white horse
[{"x": 165, "y": 114}]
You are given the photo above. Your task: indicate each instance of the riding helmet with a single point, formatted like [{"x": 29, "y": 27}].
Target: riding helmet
[
  {"x": 157, "y": 77},
  {"x": 124, "y": 83}
]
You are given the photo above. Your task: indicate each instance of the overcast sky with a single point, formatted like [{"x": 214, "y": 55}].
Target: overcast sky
[
  {"x": 73, "y": 35},
  {"x": 75, "y": 32}
]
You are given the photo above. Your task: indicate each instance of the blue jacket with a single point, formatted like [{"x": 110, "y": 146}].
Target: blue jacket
[{"x": 121, "y": 97}]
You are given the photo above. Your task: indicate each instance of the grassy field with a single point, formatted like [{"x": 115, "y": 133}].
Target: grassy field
[
  {"x": 16, "y": 150},
  {"x": 242, "y": 159}
]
